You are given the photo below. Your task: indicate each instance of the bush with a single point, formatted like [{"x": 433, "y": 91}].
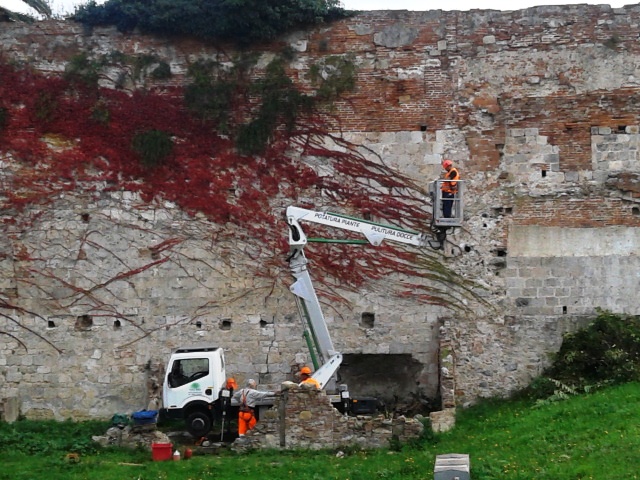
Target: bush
[
  {"x": 607, "y": 351},
  {"x": 153, "y": 146},
  {"x": 242, "y": 21},
  {"x": 49, "y": 436}
]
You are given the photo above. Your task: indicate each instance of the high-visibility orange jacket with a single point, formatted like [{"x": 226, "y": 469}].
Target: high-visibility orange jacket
[
  {"x": 451, "y": 187},
  {"x": 311, "y": 381}
]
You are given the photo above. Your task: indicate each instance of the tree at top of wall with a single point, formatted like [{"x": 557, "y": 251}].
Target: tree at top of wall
[
  {"x": 243, "y": 22},
  {"x": 40, "y": 6}
]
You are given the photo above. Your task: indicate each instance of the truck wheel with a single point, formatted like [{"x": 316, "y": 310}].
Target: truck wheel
[{"x": 198, "y": 424}]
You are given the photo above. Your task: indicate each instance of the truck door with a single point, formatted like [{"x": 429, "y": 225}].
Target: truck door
[{"x": 188, "y": 378}]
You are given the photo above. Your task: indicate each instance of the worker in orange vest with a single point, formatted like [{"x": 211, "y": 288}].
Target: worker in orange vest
[
  {"x": 449, "y": 188},
  {"x": 307, "y": 379}
]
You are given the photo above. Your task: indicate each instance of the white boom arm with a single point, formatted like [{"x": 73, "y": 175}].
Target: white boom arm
[
  {"x": 375, "y": 233},
  {"x": 303, "y": 289}
]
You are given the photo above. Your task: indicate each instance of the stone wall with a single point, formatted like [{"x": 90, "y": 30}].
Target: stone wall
[
  {"x": 539, "y": 109},
  {"x": 303, "y": 418}
]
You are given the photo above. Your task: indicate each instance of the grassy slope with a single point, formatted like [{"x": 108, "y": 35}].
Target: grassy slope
[{"x": 589, "y": 437}]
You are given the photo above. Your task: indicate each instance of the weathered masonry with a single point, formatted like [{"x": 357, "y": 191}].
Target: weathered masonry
[{"x": 540, "y": 110}]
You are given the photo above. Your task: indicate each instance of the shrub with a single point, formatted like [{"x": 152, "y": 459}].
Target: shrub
[
  {"x": 242, "y": 21},
  {"x": 153, "y": 146},
  {"x": 607, "y": 351}
]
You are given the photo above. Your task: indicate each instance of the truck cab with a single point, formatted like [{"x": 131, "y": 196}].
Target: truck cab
[{"x": 194, "y": 378}]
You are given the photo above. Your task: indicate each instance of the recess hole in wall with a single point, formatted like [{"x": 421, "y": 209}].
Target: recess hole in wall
[
  {"x": 225, "y": 324},
  {"x": 502, "y": 210},
  {"x": 635, "y": 211},
  {"x": 263, "y": 324},
  {"x": 155, "y": 255},
  {"x": 198, "y": 324},
  {"x": 367, "y": 320},
  {"x": 622, "y": 128},
  {"x": 117, "y": 324},
  {"x": 84, "y": 322},
  {"x": 85, "y": 217},
  {"x": 500, "y": 148},
  {"x": 564, "y": 309},
  {"x": 500, "y": 252},
  {"x": 543, "y": 172},
  {"x": 423, "y": 128},
  {"x": 51, "y": 324},
  {"x": 468, "y": 248}
]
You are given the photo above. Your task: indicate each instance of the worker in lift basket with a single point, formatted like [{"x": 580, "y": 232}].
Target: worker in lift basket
[
  {"x": 307, "y": 379},
  {"x": 449, "y": 188},
  {"x": 247, "y": 398}
]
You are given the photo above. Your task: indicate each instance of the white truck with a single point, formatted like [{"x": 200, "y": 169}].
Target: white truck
[
  {"x": 193, "y": 384},
  {"x": 195, "y": 378}
]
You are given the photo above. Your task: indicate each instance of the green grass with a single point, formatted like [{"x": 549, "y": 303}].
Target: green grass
[{"x": 594, "y": 436}]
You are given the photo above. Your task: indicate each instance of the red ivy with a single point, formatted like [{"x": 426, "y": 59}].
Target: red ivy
[{"x": 204, "y": 173}]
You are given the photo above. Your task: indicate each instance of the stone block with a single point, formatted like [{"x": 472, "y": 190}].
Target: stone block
[
  {"x": 10, "y": 409},
  {"x": 443, "y": 421}
]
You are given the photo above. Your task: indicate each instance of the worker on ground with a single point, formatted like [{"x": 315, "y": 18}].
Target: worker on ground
[
  {"x": 307, "y": 379},
  {"x": 231, "y": 385},
  {"x": 449, "y": 187},
  {"x": 247, "y": 398}
]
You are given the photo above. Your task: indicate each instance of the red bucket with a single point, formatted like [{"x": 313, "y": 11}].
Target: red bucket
[{"x": 161, "y": 451}]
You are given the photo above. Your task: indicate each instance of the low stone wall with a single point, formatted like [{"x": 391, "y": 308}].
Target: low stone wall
[{"x": 304, "y": 418}]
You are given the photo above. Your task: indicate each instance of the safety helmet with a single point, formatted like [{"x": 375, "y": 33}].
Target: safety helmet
[
  {"x": 231, "y": 383},
  {"x": 447, "y": 163},
  {"x": 305, "y": 371}
]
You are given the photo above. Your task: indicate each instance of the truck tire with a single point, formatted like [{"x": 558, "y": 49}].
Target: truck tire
[{"x": 198, "y": 424}]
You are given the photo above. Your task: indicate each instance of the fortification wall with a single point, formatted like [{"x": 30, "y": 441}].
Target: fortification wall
[{"x": 538, "y": 108}]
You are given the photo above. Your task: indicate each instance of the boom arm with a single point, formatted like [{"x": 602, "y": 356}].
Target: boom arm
[
  {"x": 375, "y": 233},
  {"x": 316, "y": 331}
]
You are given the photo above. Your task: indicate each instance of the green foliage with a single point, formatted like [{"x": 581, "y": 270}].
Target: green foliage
[
  {"x": 278, "y": 102},
  {"x": 561, "y": 392},
  {"x": 81, "y": 69},
  {"x": 241, "y": 21},
  {"x": 161, "y": 72},
  {"x": 153, "y": 147},
  {"x": 281, "y": 104},
  {"x": 333, "y": 76},
  {"x": 210, "y": 95},
  {"x": 50, "y": 437},
  {"x": 607, "y": 351}
]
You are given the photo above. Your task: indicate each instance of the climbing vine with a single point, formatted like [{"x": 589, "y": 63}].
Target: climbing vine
[{"x": 173, "y": 145}]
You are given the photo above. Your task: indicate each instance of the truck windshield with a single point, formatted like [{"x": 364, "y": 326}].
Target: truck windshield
[{"x": 188, "y": 370}]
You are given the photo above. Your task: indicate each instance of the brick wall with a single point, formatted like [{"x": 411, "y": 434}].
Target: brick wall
[{"x": 537, "y": 107}]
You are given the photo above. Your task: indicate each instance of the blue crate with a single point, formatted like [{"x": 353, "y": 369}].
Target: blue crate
[{"x": 145, "y": 417}]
